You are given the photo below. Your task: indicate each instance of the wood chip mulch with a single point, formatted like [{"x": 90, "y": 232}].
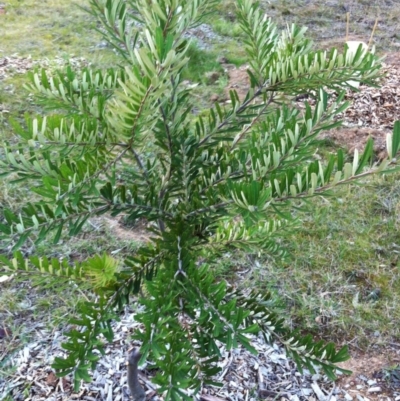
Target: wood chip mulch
[
  {"x": 270, "y": 375},
  {"x": 372, "y": 113}
]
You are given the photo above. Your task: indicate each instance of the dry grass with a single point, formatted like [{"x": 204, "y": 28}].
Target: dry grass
[{"x": 327, "y": 20}]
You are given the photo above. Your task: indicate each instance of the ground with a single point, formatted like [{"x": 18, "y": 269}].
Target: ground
[
  {"x": 372, "y": 115},
  {"x": 376, "y": 366}
]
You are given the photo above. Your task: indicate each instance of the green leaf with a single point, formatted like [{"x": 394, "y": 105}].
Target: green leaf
[
  {"x": 342, "y": 355},
  {"x": 396, "y": 138},
  {"x": 366, "y": 156}
]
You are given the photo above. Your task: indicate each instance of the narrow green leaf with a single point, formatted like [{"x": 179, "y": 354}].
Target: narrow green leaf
[{"x": 396, "y": 138}]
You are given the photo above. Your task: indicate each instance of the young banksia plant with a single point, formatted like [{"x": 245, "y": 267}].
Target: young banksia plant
[{"x": 125, "y": 142}]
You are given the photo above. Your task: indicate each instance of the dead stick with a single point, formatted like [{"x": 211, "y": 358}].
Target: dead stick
[{"x": 372, "y": 33}]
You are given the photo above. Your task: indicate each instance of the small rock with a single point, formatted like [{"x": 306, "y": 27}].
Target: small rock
[
  {"x": 371, "y": 382},
  {"x": 348, "y": 397},
  {"x": 316, "y": 377},
  {"x": 359, "y": 386}
]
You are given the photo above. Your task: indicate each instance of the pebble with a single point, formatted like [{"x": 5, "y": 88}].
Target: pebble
[
  {"x": 359, "y": 386},
  {"x": 371, "y": 382}
]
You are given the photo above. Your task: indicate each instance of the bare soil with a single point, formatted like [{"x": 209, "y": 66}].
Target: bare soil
[{"x": 368, "y": 367}]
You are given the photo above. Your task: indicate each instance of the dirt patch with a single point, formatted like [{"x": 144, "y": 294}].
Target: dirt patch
[
  {"x": 356, "y": 138},
  {"x": 376, "y": 107},
  {"x": 238, "y": 81},
  {"x": 372, "y": 113},
  {"x": 368, "y": 377}
]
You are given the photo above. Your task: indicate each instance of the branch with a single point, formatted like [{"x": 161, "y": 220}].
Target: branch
[
  {"x": 208, "y": 209},
  {"x": 255, "y": 119},
  {"x": 128, "y": 282},
  {"x": 242, "y": 108},
  {"x": 141, "y": 166}
]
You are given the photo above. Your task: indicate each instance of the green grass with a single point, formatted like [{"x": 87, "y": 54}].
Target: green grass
[
  {"x": 226, "y": 27},
  {"x": 202, "y": 66},
  {"x": 341, "y": 280},
  {"x": 52, "y": 34},
  {"x": 45, "y": 30}
]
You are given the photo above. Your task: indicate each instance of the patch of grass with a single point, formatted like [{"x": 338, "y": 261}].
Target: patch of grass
[
  {"x": 228, "y": 28},
  {"x": 342, "y": 280},
  {"x": 45, "y": 29},
  {"x": 49, "y": 33},
  {"x": 201, "y": 62}
]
